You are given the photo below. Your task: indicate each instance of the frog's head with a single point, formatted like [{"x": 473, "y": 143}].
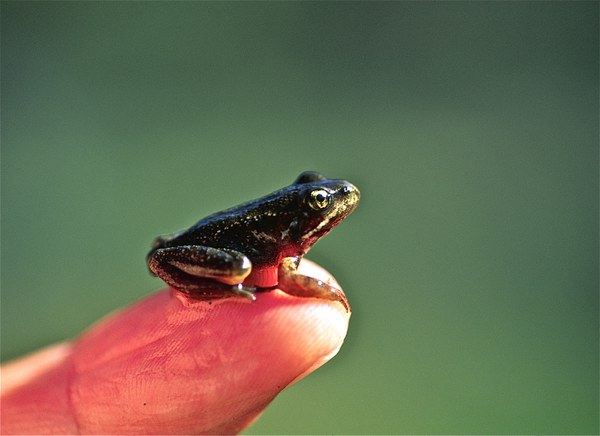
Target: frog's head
[{"x": 324, "y": 204}]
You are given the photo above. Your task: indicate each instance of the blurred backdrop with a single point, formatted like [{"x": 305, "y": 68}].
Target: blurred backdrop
[{"x": 470, "y": 128}]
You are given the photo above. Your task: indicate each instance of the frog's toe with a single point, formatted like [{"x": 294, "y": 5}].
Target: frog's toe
[{"x": 244, "y": 291}]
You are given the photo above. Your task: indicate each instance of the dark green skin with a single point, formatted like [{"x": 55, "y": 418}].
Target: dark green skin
[{"x": 267, "y": 236}]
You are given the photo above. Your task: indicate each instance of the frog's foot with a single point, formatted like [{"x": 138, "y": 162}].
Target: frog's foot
[
  {"x": 293, "y": 283},
  {"x": 205, "y": 290}
]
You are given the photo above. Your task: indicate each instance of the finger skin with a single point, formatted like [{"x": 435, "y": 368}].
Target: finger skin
[{"x": 172, "y": 365}]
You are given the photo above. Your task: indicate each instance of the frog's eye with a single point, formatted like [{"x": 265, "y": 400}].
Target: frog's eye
[{"x": 319, "y": 199}]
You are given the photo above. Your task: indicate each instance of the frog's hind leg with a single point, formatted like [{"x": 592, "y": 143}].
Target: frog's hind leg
[
  {"x": 203, "y": 289},
  {"x": 203, "y": 273},
  {"x": 293, "y": 283}
]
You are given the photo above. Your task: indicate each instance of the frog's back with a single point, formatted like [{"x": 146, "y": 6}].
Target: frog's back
[{"x": 261, "y": 214}]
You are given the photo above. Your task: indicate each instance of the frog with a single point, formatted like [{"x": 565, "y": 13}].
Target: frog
[{"x": 257, "y": 246}]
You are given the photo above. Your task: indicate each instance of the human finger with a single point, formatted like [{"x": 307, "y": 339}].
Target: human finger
[{"x": 172, "y": 365}]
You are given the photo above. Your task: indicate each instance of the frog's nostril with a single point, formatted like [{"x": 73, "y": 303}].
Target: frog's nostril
[{"x": 351, "y": 189}]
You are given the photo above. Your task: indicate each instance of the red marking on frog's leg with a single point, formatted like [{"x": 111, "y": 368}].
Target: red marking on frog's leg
[{"x": 262, "y": 278}]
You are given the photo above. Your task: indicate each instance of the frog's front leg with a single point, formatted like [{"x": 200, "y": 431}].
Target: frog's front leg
[
  {"x": 299, "y": 285},
  {"x": 203, "y": 273}
]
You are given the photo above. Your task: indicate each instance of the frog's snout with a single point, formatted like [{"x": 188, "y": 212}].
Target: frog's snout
[
  {"x": 348, "y": 197},
  {"x": 352, "y": 190},
  {"x": 352, "y": 195}
]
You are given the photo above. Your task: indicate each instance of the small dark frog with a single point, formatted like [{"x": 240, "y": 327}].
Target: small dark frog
[{"x": 257, "y": 245}]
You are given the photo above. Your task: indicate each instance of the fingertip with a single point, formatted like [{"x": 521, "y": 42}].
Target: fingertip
[{"x": 311, "y": 330}]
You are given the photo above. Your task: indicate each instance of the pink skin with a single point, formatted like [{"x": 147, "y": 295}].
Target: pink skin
[{"x": 171, "y": 365}]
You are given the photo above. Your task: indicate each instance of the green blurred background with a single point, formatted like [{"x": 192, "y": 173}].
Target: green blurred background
[{"x": 471, "y": 130}]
